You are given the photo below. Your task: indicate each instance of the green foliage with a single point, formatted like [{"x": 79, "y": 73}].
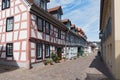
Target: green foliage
[
  {"x": 78, "y": 54},
  {"x": 55, "y": 57},
  {"x": 47, "y": 61}
]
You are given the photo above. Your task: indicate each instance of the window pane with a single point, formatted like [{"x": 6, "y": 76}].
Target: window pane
[
  {"x": 10, "y": 23},
  {"x": 59, "y": 33},
  {"x": 9, "y": 49},
  {"x": 39, "y": 51},
  {"x": 47, "y": 54},
  {"x": 8, "y": 3},
  {"x": 40, "y": 24},
  {"x": 5, "y": 4},
  {"x": 47, "y": 29}
]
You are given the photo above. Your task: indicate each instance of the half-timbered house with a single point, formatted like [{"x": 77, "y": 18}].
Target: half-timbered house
[{"x": 29, "y": 33}]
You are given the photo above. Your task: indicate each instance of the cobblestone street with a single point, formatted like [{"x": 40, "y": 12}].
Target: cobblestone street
[{"x": 83, "y": 68}]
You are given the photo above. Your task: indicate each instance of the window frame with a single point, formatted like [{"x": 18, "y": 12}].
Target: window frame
[
  {"x": 47, "y": 47},
  {"x": 5, "y": 4},
  {"x": 59, "y": 34},
  {"x": 8, "y": 24},
  {"x": 8, "y": 54},
  {"x": 40, "y": 47},
  {"x": 43, "y": 4},
  {"x": 47, "y": 32},
  {"x": 42, "y": 24}
]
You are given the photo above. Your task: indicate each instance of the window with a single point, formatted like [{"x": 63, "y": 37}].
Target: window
[
  {"x": 59, "y": 34},
  {"x": 59, "y": 17},
  {"x": 39, "y": 51},
  {"x": 47, "y": 51},
  {"x": 47, "y": 28},
  {"x": 5, "y": 4},
  {"x": 40, "y": 24},
  {"x": 9, "y": 24},
  {"x": 43, "y": 4},
  {"x": 9, "y": 49},
  {"x": 55, "y": 15}
]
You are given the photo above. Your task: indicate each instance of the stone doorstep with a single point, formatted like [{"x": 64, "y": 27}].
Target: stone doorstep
[{"x": 95, "y": 76}]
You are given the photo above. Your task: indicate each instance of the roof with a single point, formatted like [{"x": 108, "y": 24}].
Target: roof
[
  {"x": 66, "y": 21},
  {"x": 32, "y": 1},
  {"x": 79, "y": 29},
  {"x": 58, "y": 8},
  {"x": 73, "y": 26}
]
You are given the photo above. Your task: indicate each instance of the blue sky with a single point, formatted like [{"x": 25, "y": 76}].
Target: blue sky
[{"x": 83, "y": 13}]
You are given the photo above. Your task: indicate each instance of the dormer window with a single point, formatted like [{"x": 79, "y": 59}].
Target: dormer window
[
  {"x": 40, "y": 3},
  {"x": 67, "y": 23},
  {"x": 43, "y": 4},
  {"x": 5, "y": 4},
  {"x": 56, "y": 12}
]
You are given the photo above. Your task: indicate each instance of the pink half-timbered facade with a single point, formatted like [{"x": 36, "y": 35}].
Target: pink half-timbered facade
[{"x": 29, "y": 33}]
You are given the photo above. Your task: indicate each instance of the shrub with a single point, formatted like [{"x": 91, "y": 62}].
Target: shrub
[{"x": 48, "y": 61}]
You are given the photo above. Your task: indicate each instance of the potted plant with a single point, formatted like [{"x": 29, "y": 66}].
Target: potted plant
[
  {"x": 64, "y": 58},
  {"x": 75, "y": 58},
  {"x": 48, "y": 61},
  {"x": 53, "y": 56},
  {"x": 78, "y": 55}
]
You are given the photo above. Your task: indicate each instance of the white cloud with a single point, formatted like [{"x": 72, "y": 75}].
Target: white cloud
[
  {"x": 83, "y": 13},
  {"x": 64, "y": 2},
  {"x": 53, "y": 3}
]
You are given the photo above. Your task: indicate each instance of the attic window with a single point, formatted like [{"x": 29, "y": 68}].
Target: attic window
[
  {"x": 43, "y": 4},
  {"x": 5, "y": 4}
]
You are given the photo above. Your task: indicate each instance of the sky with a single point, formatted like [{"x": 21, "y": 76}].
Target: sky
[{"x": 83, "y": 13}]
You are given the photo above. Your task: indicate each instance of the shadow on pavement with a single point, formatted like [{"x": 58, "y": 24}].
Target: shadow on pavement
[
  {"x": 96, "y": 77},
  {"x": 4, "y": 68},
  {"x": 100, "y": 65}
]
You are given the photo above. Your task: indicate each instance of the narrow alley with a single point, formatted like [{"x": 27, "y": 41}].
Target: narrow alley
[{"x": 83, "y": 68}]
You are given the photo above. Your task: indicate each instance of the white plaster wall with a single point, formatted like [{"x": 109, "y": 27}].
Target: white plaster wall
[
  {"x": 24, "y": 45},
  {"x": 0, "y": 29},
  {"x": 9, "y": 58},
  {"x": 33, "y": 53},
  {"x": 24, "y": 16},
  {"x": 16, "y": 26},
  {"x": 32, "y": 45},
  {"x": 3, "y": 38},
  {"x": 72, "y": 52},
  {"x": 15, "y": 35},
  {"x": 12, "y": 11},
  {"x": 23, "y": 25},
  {"x": 17, "y": 46},
  {"x": 47, "y": 38},
  {"x": 33, "y": 17},
  {"x": 16, "y": 10},
  {"x": 3, "y": 14},
  {"x": 22, "y": 8},
  {"x": 39, "y": 35},
  {"x": 17, "y": 18},
  {"x": 23, "y": 34},
  {"x": 32, "y": 60},
  {"x": 4, "y": 47},
  {"x": 3, "y": 55},
  {"x": 33, "y": 33},
  {"x": 1, "y": 22},
  {"x": 17, "y": 2},
  {"x": 12, "y": 4},
  {"x": 16, "y": 55},
  {"x": 23, "y": 56},
  {"x": 9, "y": 36},
  {"x": 7, "y": 12}
]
